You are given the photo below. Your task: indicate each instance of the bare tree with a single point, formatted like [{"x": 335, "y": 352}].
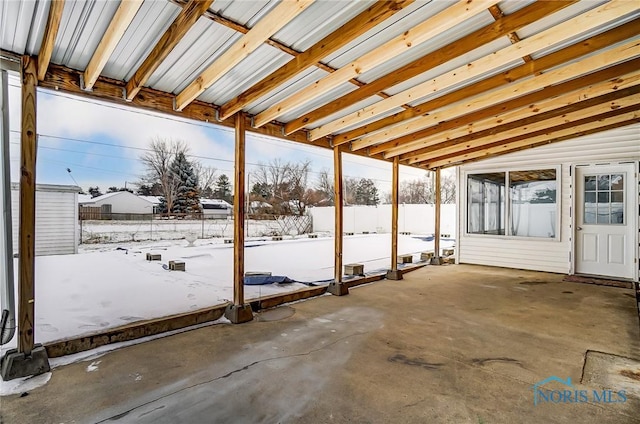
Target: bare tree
[
  {"x": 157, "y": 161},
  {"x": 206, "y": 176},
  {"x": 423, "y": 190},
  {"x": 284, "y": 185}
]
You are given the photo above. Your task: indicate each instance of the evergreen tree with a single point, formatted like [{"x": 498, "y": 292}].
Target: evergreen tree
[
  {"x": 223, "y": 188},
  {"x": 187, "y": 198},
  {"x": 366, "y": 193},
  {"x": 95, "y": 191}
]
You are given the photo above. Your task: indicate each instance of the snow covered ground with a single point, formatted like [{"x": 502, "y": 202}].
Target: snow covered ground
[{"x": 106, "y": 286}]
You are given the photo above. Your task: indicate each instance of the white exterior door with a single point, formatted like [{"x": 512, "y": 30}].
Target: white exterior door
[{"x": 605, "y": 222}]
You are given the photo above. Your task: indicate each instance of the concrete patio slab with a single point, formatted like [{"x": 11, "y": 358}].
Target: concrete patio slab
[{"x": 450, "y": 344}]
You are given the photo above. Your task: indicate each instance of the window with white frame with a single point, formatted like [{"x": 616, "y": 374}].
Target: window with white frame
[{"x": 520, "y": 203}]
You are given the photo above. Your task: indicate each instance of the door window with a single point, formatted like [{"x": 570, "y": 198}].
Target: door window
[{"x": 603, "y": 199}]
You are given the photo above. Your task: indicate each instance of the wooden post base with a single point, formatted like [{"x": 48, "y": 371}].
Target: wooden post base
[
  {"x": 338, "y": 289},
  {"x": 16, "y": 364},
  {"x": 238, "y": 314},
  {"x": 437, "y": 260},
  {"x": 394, "y": 274}
]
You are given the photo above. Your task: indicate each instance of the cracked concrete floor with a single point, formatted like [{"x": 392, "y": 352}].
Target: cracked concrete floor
[{"x": 450, "y": 344}]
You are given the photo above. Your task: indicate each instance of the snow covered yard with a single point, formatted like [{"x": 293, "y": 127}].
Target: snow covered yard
[{"x": 106, "y": 286}]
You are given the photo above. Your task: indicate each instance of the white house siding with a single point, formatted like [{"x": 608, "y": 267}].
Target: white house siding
[
  {"x": 619, "y": 145},
  {"x": 56, "y": 219},
  {"x": 123, "y": 202}
]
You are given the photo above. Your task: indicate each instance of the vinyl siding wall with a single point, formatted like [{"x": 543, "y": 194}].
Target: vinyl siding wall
[
  {"x": 56, "y": 220},
  {"x": 552, "y": 255}
]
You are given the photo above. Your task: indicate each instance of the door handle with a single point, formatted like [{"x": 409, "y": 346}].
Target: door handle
[{"x": 579, "y": 228}]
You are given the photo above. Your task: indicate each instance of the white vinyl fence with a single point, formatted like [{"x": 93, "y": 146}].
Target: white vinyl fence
[{"x": 416, "y": 219}]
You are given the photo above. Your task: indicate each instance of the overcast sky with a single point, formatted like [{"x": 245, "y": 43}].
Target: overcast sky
[{"x": 101, "y": 143}]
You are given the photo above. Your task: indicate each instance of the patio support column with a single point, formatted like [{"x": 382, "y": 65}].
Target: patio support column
[
  {"x": 239, "y": 311},
  {"x": 29, "y": 358},
  {"x": 337, "y": 287},
  {"x": 394, "y": 273},
  {"x": 437, "y": 260}
]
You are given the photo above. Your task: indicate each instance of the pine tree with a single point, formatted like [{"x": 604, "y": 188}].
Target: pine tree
[
  {"x": 367, "y": 193},
  {"x": 188, "y": 198},
  {"x": 223, "y": 188}
]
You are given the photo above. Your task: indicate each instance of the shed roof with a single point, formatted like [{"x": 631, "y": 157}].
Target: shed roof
[{"x": 433, "y": 83}]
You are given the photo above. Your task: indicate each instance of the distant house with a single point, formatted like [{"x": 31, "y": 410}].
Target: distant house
[
  {"x": 121, "y": 202},
  {"x": 154, "y": 200},
  {"x": 56, "y": 219},
  {"x": 215, "y": 208}
]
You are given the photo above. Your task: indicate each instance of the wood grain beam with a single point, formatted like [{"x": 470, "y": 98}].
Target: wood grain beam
[
  {"x": 275, "y": 20},
  {"x": 187, "y": 17},
  {"x": 49, "y": 37},
  {"x": 511, "y": 91},
  {"x": 395, "y": 185},
  {"x": 412, "y": 38},
  {"x": 331, "y": 43},
  {"x": 564, "y": 131},
  {"x": 497, "y": 14},
  {"x": 491, "y": 32},
  {"x": 592, "y": 107},
  {"x": 338, "y": 202},
  {"x": 239, "y": 210},
  {"x": 121, "y": 20},
  {"x": 538, "y": 103},
  {"x": 589, "y": 20},
  {"x": 538, "y": 65},
  {"x": 27, "y": 207}
]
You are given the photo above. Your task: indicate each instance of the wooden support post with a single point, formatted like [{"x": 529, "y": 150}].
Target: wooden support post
[
  {"x": 26, "y": 249},
  {"x": 436, "y": 239},
  {"x": 28, "y": 359},
  {"x": 239, "y": 312},
  {"x": 337, "y": 287},
  {"x": 394, "y": 273}
]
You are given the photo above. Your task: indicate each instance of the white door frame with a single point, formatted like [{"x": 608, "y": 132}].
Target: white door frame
[{"x": 635, "y": 207}]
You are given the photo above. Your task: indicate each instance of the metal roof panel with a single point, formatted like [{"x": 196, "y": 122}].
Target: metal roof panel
[{"x": 147, "y": 27}]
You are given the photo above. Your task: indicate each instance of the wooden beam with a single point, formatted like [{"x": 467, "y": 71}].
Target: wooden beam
[
  {"x": 491, "y": 32},
  {"x": 520, "y": 110},
  {"x": 49, "y": 37},
  {"x": 239, "y": 211},
  {"x": 498, "y": 14},
  {"x": 27, "y": 229},
  {"x": 277, "y": 18},
  {"x": 412, "y": 38},
  {"x": 584, "y": 22},
  {"x": 508, "y": 92},
  {"x": 394, "y": 213},
  {"x": 607, "y": 76},
  {"x": 436, "y": 231},
  {"x": 332, "y": 42},
  {"x": 121, "y": 20},
  {"x": 538, "y": 65},
  {"x": 526, "y": 127},
  {"x": 563, "y": 131},
  {"x": 169, "y": 40},
  {"x": 338, "y": 204}
]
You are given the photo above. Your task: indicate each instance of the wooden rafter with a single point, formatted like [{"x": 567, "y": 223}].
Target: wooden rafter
[
  {"x": 171, "y": 37},
  {"x": 501, "y": 27},
  {"x": 49, "y": 38},
  {"x": 423, "y": 32},
  {"x": 265, "y": 28},
  {"x": 567, "y": 115},
  {"x": 332, "y": 42},
  {"x": 565, "y": 31},
  {"x": 507, "y": 92},
  {"x": 529, "y": 111},
  {"x": 121, "y": 20},
  {"x": 623, "y": 116},
  {"x": 497, "y": 14},
  {"x": 566, "y": 54}
]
